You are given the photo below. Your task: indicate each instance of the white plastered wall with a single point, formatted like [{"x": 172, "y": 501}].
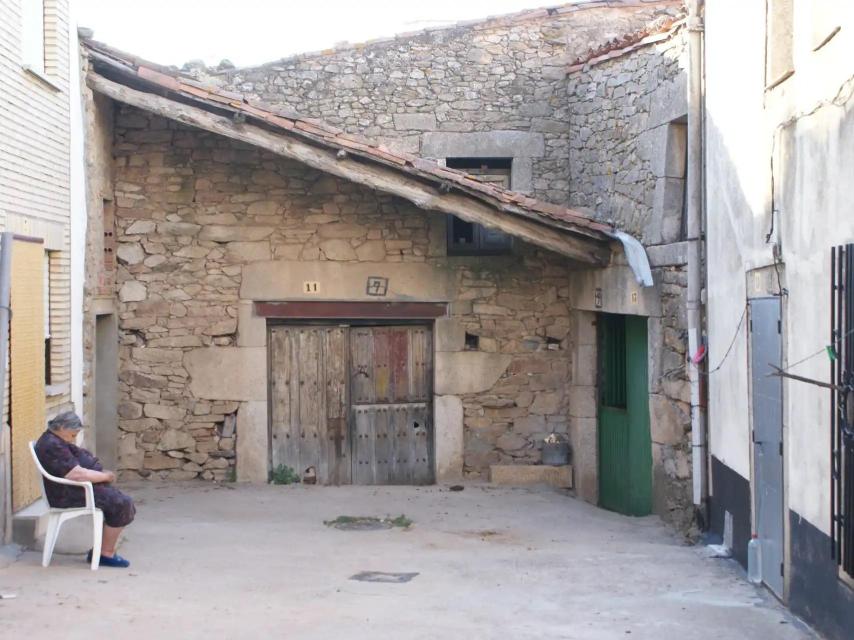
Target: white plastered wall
[
  {"x": 806, "y": 123},
  {"x": 738, "y": 205}
]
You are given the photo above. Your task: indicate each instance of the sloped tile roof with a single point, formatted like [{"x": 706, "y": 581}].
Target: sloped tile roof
[
  {"x": 132, "y": 70},
  {"x": 659, "y": 29}
]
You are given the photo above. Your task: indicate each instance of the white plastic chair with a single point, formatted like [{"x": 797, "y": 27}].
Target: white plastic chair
[{"x": 57, "y": 516}]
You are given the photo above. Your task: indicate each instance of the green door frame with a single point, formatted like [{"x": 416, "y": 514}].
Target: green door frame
[{"x": 625, "y": 445}]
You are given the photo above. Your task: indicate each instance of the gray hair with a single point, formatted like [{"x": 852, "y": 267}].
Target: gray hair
[{"x": 65, "y": 420}]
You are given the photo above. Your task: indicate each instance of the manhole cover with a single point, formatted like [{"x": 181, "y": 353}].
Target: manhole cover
[{"x": 382, "y": 576}]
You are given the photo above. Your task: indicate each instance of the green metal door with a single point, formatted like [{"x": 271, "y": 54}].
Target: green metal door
[{"x": 625, "y": 449}]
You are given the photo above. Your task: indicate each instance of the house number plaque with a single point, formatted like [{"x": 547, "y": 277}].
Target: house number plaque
[
  {"x": 376, "y": 286},
  {"x": 310, "y": 287}
]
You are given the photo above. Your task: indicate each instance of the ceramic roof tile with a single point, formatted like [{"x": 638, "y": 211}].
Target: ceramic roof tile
[{"x": 319, "y": 132}]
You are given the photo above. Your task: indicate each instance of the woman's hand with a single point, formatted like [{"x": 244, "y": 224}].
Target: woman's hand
[{"x": 79, "y": 474}]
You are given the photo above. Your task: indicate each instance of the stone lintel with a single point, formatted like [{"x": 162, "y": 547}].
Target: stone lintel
[
  {"x": 227, "y": 373},
  {"x": 483, "y": 144},
  {"x": 462, "y": 372},
  {"x": 286, "y": 280},
  {"x": 620, "y": 292}
]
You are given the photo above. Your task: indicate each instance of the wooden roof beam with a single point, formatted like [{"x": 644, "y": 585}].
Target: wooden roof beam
[{"x": 376, "y": 176}]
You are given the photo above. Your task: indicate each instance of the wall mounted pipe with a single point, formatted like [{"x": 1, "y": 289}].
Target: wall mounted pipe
[{"x": 695, "y": 239}]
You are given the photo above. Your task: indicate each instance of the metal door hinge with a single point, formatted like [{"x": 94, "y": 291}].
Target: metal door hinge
[
  {"x": 779, "y": 326},
  {"x": 781, "y": 569},
  {"x": 781, "y": 448}
]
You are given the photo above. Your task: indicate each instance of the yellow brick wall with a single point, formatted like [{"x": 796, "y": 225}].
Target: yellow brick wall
[
  {"x": 35, "y": 165},
  {"x": 27, "y": 369}
]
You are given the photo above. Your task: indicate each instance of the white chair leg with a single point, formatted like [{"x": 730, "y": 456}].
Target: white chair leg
[
  {"x": 97, "y": 537},
  {"x": 53, "y": 523}
]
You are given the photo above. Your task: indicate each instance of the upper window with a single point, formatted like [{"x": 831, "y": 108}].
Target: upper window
[
  {"x": 779, "y": 63},
  {"x": 32, "y": 35},
  {"x": 469, "y": 238}
]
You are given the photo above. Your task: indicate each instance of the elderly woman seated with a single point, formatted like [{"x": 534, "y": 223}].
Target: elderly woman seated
[{"x": 61, "y": 457}]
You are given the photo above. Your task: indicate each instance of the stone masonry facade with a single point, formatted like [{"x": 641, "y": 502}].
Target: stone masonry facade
[
  {"x": 627, "y": 166},
  {"x": 194, "y": 209},
  {"x": 505, "y": 74}
]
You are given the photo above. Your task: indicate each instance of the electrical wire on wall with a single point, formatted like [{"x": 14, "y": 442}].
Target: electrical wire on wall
[
  {"x": 829, "y": 349},
  {"x": 670, "y": 372}
]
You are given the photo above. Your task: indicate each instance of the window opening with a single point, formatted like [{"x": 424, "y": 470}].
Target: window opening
[
  {"x": 469, "y": 238},
  {"x": 472, "y": 342}
]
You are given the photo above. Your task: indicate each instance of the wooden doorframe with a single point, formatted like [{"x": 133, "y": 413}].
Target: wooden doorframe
[
  {"x": 273, "y": 321},
  {"x": 318, "y": 311}
]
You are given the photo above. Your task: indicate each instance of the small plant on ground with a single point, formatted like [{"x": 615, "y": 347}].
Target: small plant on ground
[
  {"x": 356, "y": 522},
  {"x": 283, "y": 474},
  {"x": 401, "y": 521}
]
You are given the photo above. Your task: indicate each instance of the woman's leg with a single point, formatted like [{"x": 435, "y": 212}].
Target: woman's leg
[
  {"x": 111, "y": 538},
  {"x": 118, "y": 511}
]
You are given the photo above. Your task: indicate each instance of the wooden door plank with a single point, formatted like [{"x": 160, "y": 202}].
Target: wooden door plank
[
  {"x": 637, "y": 401},
  {"x": 278, "y": 406},
  {"x": 398, "y": 360},
  {"x": 337, "y": 440},
  {"x": 382, "y": 368},
  {"x": 363, "y": 448},
  {"x": 421, "y": 368},
  {"x": 284, "y": 404},
  {"x": 323, "y": 469},
  {"x": 294, "y": 441},
  {"x": 421, "y": 429},
  {"x": 396, "y": 469},
  {"x": 403, "y": 446},
  {"x": 309, "y": 397},
  {"x": 382, "y": 419},
  {"x": 362, "y": 366}
]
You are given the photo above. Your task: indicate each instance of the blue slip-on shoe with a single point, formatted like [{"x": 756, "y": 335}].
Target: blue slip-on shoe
[{"x": 116, "y": 561}]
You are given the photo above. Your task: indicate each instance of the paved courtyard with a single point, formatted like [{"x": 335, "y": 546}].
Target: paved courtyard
[{"x": 240, "y": 561}]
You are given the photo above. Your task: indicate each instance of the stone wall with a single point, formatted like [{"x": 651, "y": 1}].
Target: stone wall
[
  {"x": 204, "y": 225},
  {"x": 627, "y": 140},
  {"x": 627, "y": 166},
  {"x": 428, "y": 92},
  {"x": 99, "y": 271}
]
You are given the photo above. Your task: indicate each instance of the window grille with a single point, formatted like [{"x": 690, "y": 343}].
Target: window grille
[{"x": 842, "y": 406}]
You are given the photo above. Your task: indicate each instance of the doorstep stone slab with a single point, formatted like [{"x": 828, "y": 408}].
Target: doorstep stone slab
[{"x": 527, "y": 474}]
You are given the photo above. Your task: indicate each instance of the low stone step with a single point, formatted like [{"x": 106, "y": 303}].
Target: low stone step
[{"x": 528, "y": 474}]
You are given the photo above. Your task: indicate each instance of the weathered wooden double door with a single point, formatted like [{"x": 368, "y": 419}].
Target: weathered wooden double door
[{"x": 354, "y": 402}]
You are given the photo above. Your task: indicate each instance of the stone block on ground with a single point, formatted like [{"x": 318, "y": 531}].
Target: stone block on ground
[{"x": 528, "y": 474}]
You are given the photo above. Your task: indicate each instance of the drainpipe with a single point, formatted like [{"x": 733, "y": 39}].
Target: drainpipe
[{"x": 694, "y": 194}]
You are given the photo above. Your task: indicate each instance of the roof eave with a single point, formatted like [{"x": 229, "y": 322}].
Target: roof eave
[{"x": 422, "y": 182}]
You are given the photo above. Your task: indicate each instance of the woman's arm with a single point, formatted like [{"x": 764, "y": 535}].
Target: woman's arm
[{"x": 79, "y": 474}]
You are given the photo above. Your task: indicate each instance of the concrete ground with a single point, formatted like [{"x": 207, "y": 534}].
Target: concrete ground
[{"x": 240, "y": 561}]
